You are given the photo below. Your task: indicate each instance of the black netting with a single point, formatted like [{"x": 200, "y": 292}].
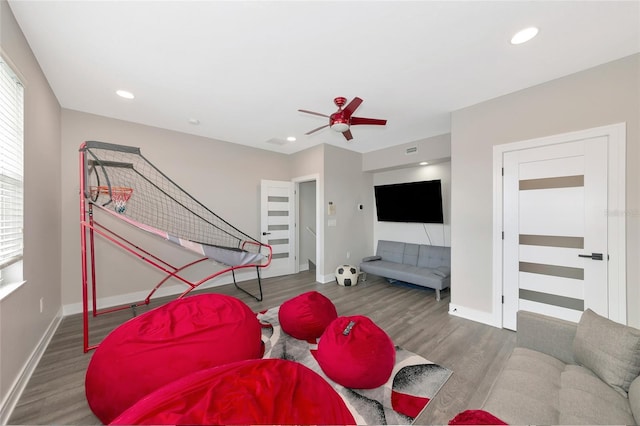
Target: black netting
[{"x": 155, "y": 200}]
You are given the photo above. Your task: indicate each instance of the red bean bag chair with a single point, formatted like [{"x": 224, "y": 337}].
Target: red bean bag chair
[
  {"x": 254, "y": 392},
  {"x": 356, "y": 353},
  {"x": 306, "y": 316},
  {"x": 167, "y": 343},
  {"x": 475, "y": 417}
]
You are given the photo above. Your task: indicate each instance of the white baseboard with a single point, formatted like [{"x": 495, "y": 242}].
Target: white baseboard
[
  {"x": 474, "y": 315},
  {"x": 165, "y": 290},
  {"x": 18, "y": 386},
  {"x": 326, "y": 278},
  {"x": 303, "y": 267}
]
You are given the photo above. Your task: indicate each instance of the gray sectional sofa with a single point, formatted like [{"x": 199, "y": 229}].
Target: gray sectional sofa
[
  {"x": 419, "y": 264},
  {"x": 566, "y": 373}
]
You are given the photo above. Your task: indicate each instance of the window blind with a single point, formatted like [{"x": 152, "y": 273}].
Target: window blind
[{"x": 11, "y": 166}]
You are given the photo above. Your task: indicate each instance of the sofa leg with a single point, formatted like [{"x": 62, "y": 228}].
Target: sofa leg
[
  {"x": 438, "y": 295},
  {"x": 364, "y": 276}
]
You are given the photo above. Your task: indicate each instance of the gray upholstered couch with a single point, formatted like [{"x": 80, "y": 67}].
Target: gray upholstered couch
[
  {"x": 566, "y": 373},
  {"x": 419, "y": 264}
]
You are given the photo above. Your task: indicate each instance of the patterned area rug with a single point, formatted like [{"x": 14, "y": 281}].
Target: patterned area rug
[{"x": 413, "y": 383}]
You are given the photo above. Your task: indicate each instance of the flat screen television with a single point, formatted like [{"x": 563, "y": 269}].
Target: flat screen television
[{"x": 415, "y": 202}]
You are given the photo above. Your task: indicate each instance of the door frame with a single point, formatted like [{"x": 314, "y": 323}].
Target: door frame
[
  {"x": 616, "y": 217},
  {"x": 319, "y": 221}
]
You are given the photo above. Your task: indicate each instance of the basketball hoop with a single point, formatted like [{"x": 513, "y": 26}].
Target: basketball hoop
[{"x": 119, "y": 196}]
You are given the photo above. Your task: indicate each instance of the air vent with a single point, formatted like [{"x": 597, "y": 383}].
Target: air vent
[
  {"x": 411, "y": 150},
  {"x": 277, "y": 141}
]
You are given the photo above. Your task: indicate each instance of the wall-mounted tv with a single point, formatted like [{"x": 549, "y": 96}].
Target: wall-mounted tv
[{"x": 416, "y": 202}]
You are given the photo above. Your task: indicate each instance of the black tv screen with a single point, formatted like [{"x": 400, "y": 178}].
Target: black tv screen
[{"x": 417, "y": 202}]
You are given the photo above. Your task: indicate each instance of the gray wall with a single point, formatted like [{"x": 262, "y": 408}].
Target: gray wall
[
  {"x": 223, "y": 176},
  {"x": 346, "y": 186},
  {"x": 431, "y": 149},
  {"x": 603, "y": 95},
  {"x": 21, "y": 324}
]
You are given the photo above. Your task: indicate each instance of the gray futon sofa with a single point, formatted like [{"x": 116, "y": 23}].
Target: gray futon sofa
[
  {"x": 566, "y": 373},
  {"x": 419, "y": 264}
]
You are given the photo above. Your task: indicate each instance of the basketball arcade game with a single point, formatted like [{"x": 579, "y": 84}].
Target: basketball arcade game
[{"x": 118, "y": 180}]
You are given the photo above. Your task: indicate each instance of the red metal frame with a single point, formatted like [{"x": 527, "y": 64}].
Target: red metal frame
[{"x": 90, "y": 227}]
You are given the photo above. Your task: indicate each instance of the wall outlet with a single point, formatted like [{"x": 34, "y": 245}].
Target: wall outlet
[
  {"x": 348, "y": 254},
  {"x": 41, "y": 304}
]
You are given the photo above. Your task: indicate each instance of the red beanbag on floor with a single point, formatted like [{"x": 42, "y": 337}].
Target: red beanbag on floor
[
  {"x": 167, "y": 343},
  {"x": 306, "y": 316},
  {"x": 254, "y": 392},
  {"x": 475, "y": 417},
  {"x": 356, "y": 353}
]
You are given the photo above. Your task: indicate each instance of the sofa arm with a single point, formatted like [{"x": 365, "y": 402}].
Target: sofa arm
[{"x": 545, "y": 334}]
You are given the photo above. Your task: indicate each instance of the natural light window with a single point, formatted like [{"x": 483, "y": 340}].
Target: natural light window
[{"x": 11, "y": 176}]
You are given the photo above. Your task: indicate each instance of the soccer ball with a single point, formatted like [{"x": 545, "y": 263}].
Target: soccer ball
[{"x": 347, "y": 275}]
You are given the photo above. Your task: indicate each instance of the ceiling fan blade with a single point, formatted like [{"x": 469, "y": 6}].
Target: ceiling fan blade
[
  {"x": 362, "y": 120},
  {"x": 315, "y": 130},
  {"x": 347, "y": 135},
  {"x": 314, "y": 113},
  {"x": 352, "y": 106}
]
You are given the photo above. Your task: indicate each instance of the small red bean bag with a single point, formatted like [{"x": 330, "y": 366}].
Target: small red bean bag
[
  {"x": 306, "y": 316},
  {"x": 167, "y": 343},
  {"x": 253, "y": 392},
  {"x": 356, "y": 353},
  {"x": 475, "y": 417}
]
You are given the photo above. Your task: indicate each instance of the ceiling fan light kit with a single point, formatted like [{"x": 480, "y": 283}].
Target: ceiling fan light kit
[{"x": 342, "y": 120}]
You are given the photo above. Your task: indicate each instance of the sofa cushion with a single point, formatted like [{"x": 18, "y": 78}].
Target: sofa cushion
[
  {"x": 528, "y": 388},
  {"x": 434, "y": 256},
  {"x": 585, "y": 399},
  {"x": 609, "y": 349},
  {"x": 391, "y": 251},
  {"x": 410, "y": 256}
]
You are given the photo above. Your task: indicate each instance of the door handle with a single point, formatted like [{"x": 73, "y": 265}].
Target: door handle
[
  {"x": 594, "y": 256},
  {"x": 266, "y": 233}
]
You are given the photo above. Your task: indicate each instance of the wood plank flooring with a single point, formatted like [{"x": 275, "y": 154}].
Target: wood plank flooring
[{"x": 412, "y": 318}]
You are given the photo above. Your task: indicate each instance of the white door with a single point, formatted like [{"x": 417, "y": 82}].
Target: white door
[
  {"x": 555, "y": 230},
  {"x": 277, "y": 221}
]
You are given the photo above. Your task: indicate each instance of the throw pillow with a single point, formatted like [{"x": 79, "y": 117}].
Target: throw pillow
[
  {"x": 609, "y": 349},
  {"x": 442, "y": 271},
  {"x": 371, "y": 258}
]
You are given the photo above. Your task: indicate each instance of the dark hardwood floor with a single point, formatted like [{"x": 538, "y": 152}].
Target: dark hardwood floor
[{"x": 412, "y": 318}]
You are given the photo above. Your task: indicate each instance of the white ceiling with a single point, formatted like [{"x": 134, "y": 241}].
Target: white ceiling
[{"x": 243, "y": 69}]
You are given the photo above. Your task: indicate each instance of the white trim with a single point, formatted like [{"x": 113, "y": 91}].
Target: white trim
[
  {"x": 18, "y": 386},
  {"x": 324, "y": 279},
  {"x": 616, "y": 134},
  {"x": 169, "y": 290},
  {"x": 474, "y": 315},
  {"x": 7, "y": 289}
]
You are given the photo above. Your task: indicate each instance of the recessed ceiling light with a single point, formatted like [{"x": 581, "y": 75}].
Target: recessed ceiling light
[
  {"x": 424, "y": 163},
  {"x": 291, "y": 138},
  {"x": 125, "y": 94},
  {"x": 524, "y": 36},
  {"x": 194, "y": 121}
]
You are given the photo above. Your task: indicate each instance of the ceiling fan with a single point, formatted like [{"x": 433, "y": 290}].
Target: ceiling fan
[{"x": 342, "y": 120}]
